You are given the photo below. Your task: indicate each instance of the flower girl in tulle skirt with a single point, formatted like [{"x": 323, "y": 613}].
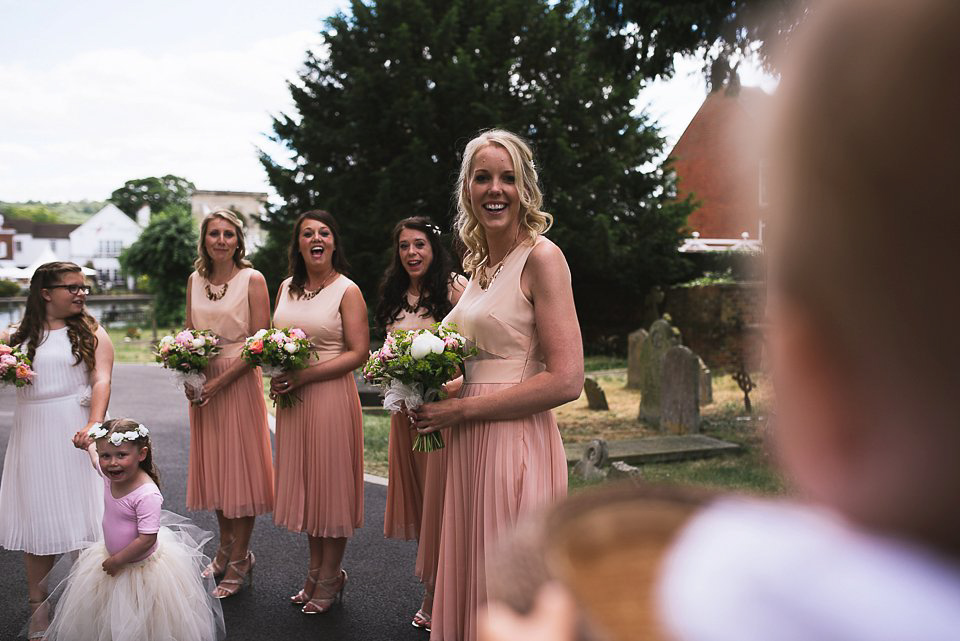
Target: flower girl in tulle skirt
[{"x": 143, "y": 581}]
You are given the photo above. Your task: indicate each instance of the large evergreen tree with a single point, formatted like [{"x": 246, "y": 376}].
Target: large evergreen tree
[{"x": 385, "y": 107}]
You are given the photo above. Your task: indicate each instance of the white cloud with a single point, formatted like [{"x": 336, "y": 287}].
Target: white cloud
[{"x": 80, "y": 128}]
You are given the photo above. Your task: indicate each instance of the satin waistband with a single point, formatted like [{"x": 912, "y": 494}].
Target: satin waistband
[{"x": 500, "y": 370}]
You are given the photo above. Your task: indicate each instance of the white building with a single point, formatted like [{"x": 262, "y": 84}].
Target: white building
[
  {"x": 100, "y": 240},
  {"x": 23, "y": 241}
]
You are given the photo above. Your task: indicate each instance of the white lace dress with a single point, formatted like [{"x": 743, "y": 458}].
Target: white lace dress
[{"x": 51, "y": 498}]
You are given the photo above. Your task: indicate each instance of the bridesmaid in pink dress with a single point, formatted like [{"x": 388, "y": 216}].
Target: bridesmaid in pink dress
[
  {"x": 505, "y": 458},
  {"x": 231, "y": 467},
  {"x": 320, "y": 438},
  {"x": 418, "y": 288}
]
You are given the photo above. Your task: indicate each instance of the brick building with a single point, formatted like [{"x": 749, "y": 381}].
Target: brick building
[{"x": 717, "y": 159}]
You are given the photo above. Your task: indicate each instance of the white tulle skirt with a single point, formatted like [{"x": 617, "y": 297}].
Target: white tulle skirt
[{"x": 161, "y": 598}]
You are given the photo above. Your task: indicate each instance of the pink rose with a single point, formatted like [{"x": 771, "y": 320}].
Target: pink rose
[
  {"x": 24, "y": 372},
  {"x": 296, "y": 332},
  {"x": 5, "y": 349},
  {"x": 185, "y": 338},
  {"x": 256, "y": 347},
  {"x": 450, "y": 343},
  {"x": 7, "y": 359},
  {"x": 278, "y": 337}
]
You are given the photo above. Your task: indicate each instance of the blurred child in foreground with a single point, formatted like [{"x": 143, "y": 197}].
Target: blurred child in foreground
[{"x": 863, "y": 347}]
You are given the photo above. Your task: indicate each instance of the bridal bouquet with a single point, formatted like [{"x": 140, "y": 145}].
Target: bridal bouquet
[
  {"x": 278, "y": 351},
  {"x": 412, "y": 367},
  {"x": 15, "y": 367},
  {"x": 186, "y": 355}
]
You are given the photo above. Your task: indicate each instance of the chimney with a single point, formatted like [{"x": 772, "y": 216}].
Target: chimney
[{"x": 143, "y": 216}]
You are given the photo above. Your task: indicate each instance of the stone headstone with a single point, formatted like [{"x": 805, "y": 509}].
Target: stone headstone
[
  {"x": 590, "y": 465},
  {"x": 634, "y": 343},
  {"x": 680, "y": 392},
  {"x": 662, "y": 337},
  {"x": 706, "y": 384},
  {"x": 596, "y": 399},
  {"x": 623, "y": 470}
]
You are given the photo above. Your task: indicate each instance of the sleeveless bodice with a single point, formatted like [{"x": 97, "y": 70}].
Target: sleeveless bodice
[
  {"x": 318, "y": 317},
  {"x": 500, "y": 323},
  {"x": 229, "y": 317},
  {"x": 58, "y": 373}
]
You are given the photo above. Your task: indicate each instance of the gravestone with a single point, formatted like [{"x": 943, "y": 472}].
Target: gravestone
[
  {"x": 634, "y": 343},
  {"x": 662, "y": 337},
  {"x": 680, "y": 392},
  {"x": 706, "y": 384},
  {"x": 623, "y": 470},
  {"x": 596, "y": 399},
  {"x": 594, "y": 458}
]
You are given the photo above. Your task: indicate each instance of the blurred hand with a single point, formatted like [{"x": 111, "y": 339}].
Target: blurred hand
[{"x": 431, "y": 417}]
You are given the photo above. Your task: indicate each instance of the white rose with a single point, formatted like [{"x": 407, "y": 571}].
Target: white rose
[
  {"x": 142, "y": 430},
  {"x": 290, "y": 348},
  {"x": 199, "y": 342},
  {"x": 260, "y": 334},
  {"x": 116, "y": 439},
  {"x": 94, "y": 429},
  {"x": 167, "y": 340},
  {"x": 425, "y": 343},
  {"x": 131, "y": 436}
]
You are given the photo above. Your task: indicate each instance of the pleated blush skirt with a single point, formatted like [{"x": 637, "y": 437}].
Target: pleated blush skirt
[
  {"x": 428, "y": 548},
  {"x": 231, "y": 465},
  {"x": 319, "y": 470},
  {"x": 497, "y": 472},
  {"x": 407, "y": 474}
]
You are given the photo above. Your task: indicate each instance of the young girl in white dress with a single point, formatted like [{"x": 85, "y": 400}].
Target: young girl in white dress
[
  {"x": 143, "y": 581},
  {"x": 46, "y": 510}
]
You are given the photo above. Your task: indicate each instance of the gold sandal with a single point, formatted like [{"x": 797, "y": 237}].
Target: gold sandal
[
  {"x": 333, "y": 590},
  {"x": 229, "y": 587},
  {"x": 215, "y": 568}
]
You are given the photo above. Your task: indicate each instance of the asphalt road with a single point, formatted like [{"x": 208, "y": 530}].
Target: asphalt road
[{"x": 382, "y": 593}]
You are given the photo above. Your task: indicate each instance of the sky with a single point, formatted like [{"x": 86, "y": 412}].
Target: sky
[{"x": 98, "y": 92}]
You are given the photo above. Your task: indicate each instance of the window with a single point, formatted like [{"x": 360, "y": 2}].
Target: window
[
  {"x": 18, "y": 246},
  {"x": 53, "y": 245},
  {"x": 109, "y": 248}
]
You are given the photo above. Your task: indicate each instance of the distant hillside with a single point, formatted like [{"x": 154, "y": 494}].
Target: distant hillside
[{"x": 70, "y": 212}]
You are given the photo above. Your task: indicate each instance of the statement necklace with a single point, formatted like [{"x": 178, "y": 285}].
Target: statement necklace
[
  {"x": 221, "y": 291},
  {"x": 406, "y": 306},
  {"x": 485, "y": 281},
  {"x": 311, "y": 295},
  {"x": 216, "y": 295}
]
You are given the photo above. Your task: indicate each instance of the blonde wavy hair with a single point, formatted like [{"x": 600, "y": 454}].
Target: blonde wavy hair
[
  {"x": 532, "y": 219},
  {"x": 204, "y": 264}
]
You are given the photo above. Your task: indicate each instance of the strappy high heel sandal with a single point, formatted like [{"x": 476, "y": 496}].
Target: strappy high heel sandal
[
  {"x": 421, "y": 620},
  {"x": 229, "y": 587},
  {"x": 303, "y": 595},
  {"x": 216, "y": 568},
  {"x": 331, "y": 591}
]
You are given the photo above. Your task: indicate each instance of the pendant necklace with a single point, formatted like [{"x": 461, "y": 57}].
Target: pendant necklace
[
  {"x": 406, "y": 306},
  {"x": 485, "y": 281}
]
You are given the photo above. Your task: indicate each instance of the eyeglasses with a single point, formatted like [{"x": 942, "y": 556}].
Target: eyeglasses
[{"x": 73, "y": 289}]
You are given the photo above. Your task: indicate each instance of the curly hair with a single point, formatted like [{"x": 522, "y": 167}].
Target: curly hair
[
  {"x": 123, "y": 425},
  {"x": 434, "y": 286},
  {"x": 297, "y": 267},
  {"x": 532, "y": 219},
  {"x": 81, "y": 328},
  {"x": 204, "y": 264}
]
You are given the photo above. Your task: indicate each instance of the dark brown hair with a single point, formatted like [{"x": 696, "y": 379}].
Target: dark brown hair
[
  {"x": 81, "y": 328},
  {"x": 123, "y": 425},
  {"x": 297, "y": 266}
]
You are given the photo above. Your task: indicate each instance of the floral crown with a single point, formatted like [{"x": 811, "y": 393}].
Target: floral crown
[{"x": 97, "y": 431}]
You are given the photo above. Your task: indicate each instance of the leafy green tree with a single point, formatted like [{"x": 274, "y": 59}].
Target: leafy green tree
[
  {"x": 645, "y": 35},
  {"x": 160, "y": 193},
  {"x": 164, "y": 253},
  {"x": 382, "y": 117}
]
